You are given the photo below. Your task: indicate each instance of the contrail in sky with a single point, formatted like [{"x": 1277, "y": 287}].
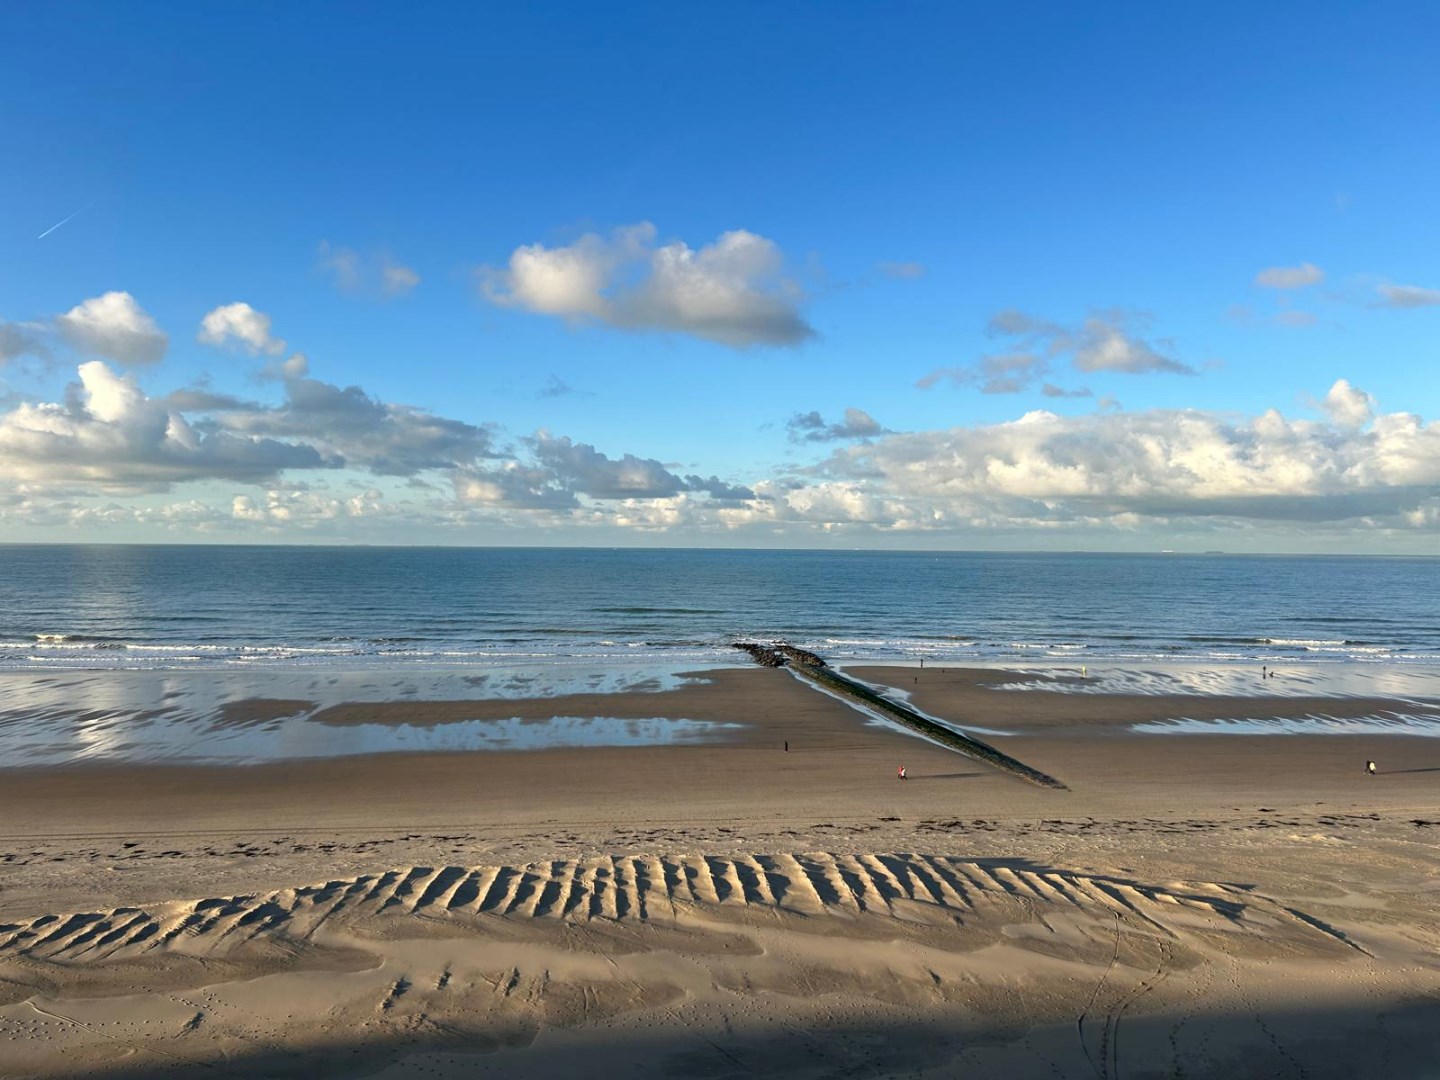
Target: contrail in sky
[{"x": 57, "y": 225}]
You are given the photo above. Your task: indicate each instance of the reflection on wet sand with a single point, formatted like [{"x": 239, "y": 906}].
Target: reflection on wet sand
[{"x": 239, "y": 717}]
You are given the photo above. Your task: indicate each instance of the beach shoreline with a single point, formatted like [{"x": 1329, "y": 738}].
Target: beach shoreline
[
  {"x": 1292, "y": 819},
  {"x": 244, "y": 717}
]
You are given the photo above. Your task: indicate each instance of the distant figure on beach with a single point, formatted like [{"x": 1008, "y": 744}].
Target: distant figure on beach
[
  {"x": 787, "y": 746},
  {"x": 902, "y": 772},
  {"x": 1369, "y": 768},
  {"x": 1262, "y": 672}
]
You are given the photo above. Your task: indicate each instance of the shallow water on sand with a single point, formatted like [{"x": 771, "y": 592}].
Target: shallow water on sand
[
  {"x": 242, "y": 717},
  {"x": 121, "y": 739},
  {"x": 1388, "y": 723},
  {"x": 1405, "y": 682}
]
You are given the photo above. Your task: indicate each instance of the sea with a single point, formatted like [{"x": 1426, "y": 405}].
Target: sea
[
  {"x": 139, "y": 654},
  {"x": 354, "y": 607}
]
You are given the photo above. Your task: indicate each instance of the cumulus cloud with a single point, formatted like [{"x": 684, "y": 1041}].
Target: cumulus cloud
[
  {"x": 811, "y": 427},
  {"x": 1408, "y": 296},
  {"x": 732, "y": 291},
  {"x": 109, "y": 435},
  {"x": 113, "y": 326},
  {"x": 563, "y": 470},
  {"x": 1107, "y": 341},
  {"x": 582, "y": 468},
  {"x": 1159, "y": 464},
  {"x": 363, "y": 432},
  {"x": 901, "y": 271},
  {"x": 1348, "y": 405},
  {"x": 1290, "y": 277},
  {"x": 277, "y": 511},
  {"x": 239, "y": 322},
  {"x": 512, "y": 484},
  {"x": 351, "y": 272},
  {"x": 281, "y": 508}
]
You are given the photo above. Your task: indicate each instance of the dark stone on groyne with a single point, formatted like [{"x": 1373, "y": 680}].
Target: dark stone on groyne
[
  {"x": 779, "y": 654},
  {"x": 812, "y": 668},
  {"x": 763, "y": 655}
]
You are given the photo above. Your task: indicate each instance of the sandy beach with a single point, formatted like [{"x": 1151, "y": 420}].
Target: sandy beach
[{"x": 1193, "y": 904}]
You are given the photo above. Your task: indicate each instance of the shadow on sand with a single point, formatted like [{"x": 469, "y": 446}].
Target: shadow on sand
[{"x": 1270, "y": 1042}]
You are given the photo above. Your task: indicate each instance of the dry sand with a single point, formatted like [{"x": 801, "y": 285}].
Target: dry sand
[{"x": 1192, "y": 906}]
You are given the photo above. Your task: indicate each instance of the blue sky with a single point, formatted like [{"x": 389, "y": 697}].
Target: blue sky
[{"x": 1159, "y": 278}]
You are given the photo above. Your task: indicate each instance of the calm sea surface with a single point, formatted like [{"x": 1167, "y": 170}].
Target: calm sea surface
[
  {"x": 144, "y": 653},
  {"x": 183, "y": 607}
]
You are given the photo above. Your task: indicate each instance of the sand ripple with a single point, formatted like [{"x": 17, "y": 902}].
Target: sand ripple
[{"x": 911, "y": 887}]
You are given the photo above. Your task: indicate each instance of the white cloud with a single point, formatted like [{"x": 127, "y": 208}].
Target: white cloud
[
  {"x": 1348, "y": 405},
  {"x": 397, "y": 279},
  {"x": 568, "y": 281},
  {"x": 113, "y": 326},
  {"x": 281, "y": 509},
  {"x": 732, "y": 291},
  {"x": 1408, "y": 296},
  {"x": 111, "y": 436},
  {"x": 1159, "y": 464},
  {"x": 108, "y": 435},
  {"x": 351, "y": 272},
  {"x": 242, "y": 323},
  {"x": 1105, "y": 341},
  {"x": 1290, "y": 277}
]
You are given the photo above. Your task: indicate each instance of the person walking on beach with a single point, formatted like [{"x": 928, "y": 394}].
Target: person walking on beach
[
  {"x": 902, "y": 772},
  {"x": 1369, "y": 768}
]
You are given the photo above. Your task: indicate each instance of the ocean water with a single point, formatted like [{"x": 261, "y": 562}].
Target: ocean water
[
  {"x": 139, "y": 653},
  {"x": 256, "y": 608}
]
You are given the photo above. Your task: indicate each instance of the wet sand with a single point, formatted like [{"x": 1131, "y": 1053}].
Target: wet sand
[{"x": 1234, "y": 905}]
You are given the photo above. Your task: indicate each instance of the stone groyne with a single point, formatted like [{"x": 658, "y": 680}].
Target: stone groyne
[{"x": 813, "y": 669}]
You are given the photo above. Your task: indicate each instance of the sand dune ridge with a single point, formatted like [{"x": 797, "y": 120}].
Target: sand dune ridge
[{"x": 907, "y": 886}]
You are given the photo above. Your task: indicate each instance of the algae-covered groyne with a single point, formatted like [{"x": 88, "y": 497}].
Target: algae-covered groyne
[{"x": 812, "y": 668}]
